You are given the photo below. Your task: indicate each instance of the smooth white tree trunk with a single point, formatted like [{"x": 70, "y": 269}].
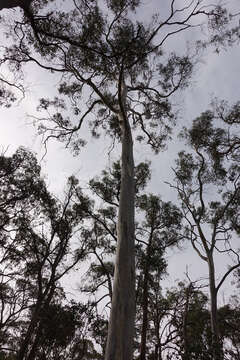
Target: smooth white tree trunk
[{"x": 121, "y": 324}]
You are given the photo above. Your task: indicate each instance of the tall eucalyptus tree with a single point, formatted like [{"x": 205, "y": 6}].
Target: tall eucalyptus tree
[
  {"x": 100, "y": 48},
  {"x": 207, "y": 180}
]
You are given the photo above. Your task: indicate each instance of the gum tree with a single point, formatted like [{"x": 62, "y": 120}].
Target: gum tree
[
  {"x": 37, "y": 232},
  {"x": 208, "y": 184},
  {"x": 114, "y": 73},
  {"x": 158, "y": 226}
]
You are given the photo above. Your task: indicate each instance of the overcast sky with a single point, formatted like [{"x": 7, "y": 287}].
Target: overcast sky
[{"x": 216, "y": 76}]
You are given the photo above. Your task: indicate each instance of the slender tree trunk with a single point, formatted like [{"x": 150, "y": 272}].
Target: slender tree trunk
[
  {"x": 158, "y": 344},
  {"x": 186, "y": 355},
  {"x": 22, "y": 353},
  {"x": 145, "y": 318},
  {"x": 158, "y": 351},
  {"x": 121, "y": 324},
  {"x": 33, "y": 325},
  {"x": 34, "y": 347},
  {"x": 145, "y": 304},
  {"x": 216, "y": 346}
]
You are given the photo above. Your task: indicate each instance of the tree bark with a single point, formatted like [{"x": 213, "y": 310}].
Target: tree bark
[
  {"x": 145, "y": 303},
  {"x": 216, "y": 346},
  {"x": 121, "y": 324},
  {"x": 186, "y": 355},
  {"x": 22, "y": 353},
  {"x": 32, "y": 352}
]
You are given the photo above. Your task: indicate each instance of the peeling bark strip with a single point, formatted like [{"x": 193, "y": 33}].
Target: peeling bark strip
[{"x": 121, "y": 324}]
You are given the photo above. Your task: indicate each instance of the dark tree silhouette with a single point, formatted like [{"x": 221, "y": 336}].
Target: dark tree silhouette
[{"x": 36, "y": 235}]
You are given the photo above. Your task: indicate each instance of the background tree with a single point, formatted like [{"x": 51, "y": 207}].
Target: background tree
[
  {"x": 158, "y": 231},
  {"x": 191, "y": 321},
  {"x": 212, "y": 220},
  {"x": 157, "y": 228},
  {"x": 21, "y": 187},
  {"x": 224, "y": 36},
  {"x": 37, "y": 250},
  {"x": 180, "y": 324}
]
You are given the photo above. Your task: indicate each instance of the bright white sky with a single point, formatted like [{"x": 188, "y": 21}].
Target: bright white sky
[{"x": 216, "y": 76}]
